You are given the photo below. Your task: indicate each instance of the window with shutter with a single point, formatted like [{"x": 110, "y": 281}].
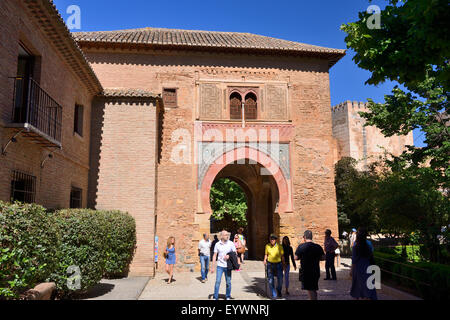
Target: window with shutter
[
  {"x": 235, "y": 106},
  {"x": 78, "y": 119},
  {"x": 251, "y": 110},
  {"x": 170, "y": 98},
  {"x": 76, "y": 198}
]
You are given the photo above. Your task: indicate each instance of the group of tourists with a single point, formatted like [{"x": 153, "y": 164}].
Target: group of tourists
[{"x": 224, "y": 256}]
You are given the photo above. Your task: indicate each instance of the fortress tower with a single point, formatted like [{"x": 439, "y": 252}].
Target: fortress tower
[{"x": 365, "y": 144}]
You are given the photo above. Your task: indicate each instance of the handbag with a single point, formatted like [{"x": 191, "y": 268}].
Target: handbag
[{"x": 241, "y": 250}]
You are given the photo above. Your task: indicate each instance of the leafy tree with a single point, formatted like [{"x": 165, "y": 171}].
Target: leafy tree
[
  {"x": 412, "y": 48},
  {"x": 229, "y": 205},
  {"x": 354, "y": 193}
]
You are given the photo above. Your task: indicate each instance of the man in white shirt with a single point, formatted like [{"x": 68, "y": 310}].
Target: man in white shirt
[
  {"x": 221, "y": 251},
  {"x": 204, "y": 249}
]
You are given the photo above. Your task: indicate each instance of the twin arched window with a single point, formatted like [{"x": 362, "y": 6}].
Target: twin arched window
[{"x": 250, "y": 106}]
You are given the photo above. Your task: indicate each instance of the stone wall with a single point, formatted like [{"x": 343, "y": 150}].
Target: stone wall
[{"x": 365, "y": 144}]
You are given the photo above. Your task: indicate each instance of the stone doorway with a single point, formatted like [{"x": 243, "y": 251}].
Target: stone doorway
[
  {"x": 262, "y": 195},
  {"x": 268, "y": 190}
]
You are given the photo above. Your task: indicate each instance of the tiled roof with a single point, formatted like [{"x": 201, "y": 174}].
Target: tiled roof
[
  {"x": 201, "y": 39},
  {"x": 128, "y": 93}
]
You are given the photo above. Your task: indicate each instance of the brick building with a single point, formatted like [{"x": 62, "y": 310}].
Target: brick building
[
  {"x": 46, "y": 91},
  {"x": 145, "y": 120},
  {"x": 365, "y": 144}
]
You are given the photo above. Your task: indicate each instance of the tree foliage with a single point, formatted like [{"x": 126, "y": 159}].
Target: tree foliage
[
  {"x": 229, "y": 204},
  {"x": 412, "y": 48},
  {"x": 395, "y": 201}
]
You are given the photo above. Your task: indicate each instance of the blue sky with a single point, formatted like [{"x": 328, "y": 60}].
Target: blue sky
[{"x": 314, "y": 22}]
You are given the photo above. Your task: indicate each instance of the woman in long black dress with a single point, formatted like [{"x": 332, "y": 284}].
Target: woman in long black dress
[{"x": 362, "y": 258}]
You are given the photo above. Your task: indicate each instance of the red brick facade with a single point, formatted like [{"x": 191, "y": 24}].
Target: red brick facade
[
  {"x": 55, "y": 75},
  {"x": 308, "y": 196},
  {"x": 129, "y": 156}
]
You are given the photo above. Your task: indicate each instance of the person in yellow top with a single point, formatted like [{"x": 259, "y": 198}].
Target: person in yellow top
[{"x": 274, "y": 261}]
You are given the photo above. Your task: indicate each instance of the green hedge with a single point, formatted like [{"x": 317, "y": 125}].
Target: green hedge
[
  {"x": 39, "y": 246},
  {"x": 437, "y": 276},
  {"x": 120, "y": 243},
  {"x": 29, "y": 243}
]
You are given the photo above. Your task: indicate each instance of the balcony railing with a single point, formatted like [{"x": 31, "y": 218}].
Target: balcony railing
[{"x": 37, "y": 110}]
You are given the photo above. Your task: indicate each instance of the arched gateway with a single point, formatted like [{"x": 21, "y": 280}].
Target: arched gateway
[
  {"x": 260, "y": 167},
  {"x": 272, "y": 95}
]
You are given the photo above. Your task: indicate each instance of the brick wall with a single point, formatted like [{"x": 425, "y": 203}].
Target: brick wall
[
  {"x": 124, "y": 138},
  {"x": 312, "y": 149},
  {"x": 69, "y": 166}
]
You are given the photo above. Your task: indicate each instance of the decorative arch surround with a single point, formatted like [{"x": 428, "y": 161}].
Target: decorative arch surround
[{"x": 239, "y": 153}]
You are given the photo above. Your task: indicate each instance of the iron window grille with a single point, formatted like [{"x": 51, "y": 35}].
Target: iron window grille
[{"x": 23, "y": 187}]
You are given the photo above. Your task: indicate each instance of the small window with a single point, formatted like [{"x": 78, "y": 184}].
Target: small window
[
  {"x": 78, "y": 119},
  {"x": 23, "y": 187},
  {"x": 251, "y": 107},
  {"x": 235, "y": 106},
  {"x": 170, "y": 98},
  {"x": 76, "y": 198}
]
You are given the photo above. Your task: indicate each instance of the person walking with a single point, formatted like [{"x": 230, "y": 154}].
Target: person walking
[
  {"x": 274, "y": 262},
  {"x": 221, "y": 256},
  {"x": 171, "y": 259},
  {"x": 213, "y": 245},
  {"x": 330, "y": 246},
  {"x": 204, "y": 252},
  {"x": 352, "y": 238},
  {"x": 362, "y": 258},
  {"x": 244, "y": 244},
  {"x": 288, "y": 253},
  {"x": 238, "y": 245},
  {"x": 310, "y": 254}
]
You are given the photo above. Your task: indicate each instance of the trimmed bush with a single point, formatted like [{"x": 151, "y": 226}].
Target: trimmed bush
[
  {"x": 120, "y": 243},
  {"x": 432, "y": 280},
  {"x": 39, "y": 246},
  {"x": 83, "y": 245},
  {"x": 29, "y": 242}
]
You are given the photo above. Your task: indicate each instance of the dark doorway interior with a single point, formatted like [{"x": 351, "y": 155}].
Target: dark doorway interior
[{"x": 262, "y": 198}]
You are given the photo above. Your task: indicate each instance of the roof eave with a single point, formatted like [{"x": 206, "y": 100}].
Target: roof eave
[
  {"x": 333, "y": 55},
  {"x": 46, "y": 15}
]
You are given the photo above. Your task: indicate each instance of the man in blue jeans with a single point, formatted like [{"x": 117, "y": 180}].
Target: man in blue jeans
[
  {"x": 221, "y": 251},
  {"x": 204, "y": 249}
]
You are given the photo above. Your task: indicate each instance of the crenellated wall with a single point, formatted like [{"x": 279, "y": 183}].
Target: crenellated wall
[{"x": 365, "y": 144}]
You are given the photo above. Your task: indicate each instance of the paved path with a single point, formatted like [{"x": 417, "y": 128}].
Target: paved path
[
  {"x": 120, "y": 289},
  {"x": 249, "y": 284}
]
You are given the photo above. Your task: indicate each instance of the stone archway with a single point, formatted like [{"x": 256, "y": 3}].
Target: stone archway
[{"x": 268, "y": 192}]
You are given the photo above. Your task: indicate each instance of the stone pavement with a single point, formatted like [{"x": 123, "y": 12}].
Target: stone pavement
[
  {"x": 120, "y": 289},
  {"x": 249, "y": 284}
]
